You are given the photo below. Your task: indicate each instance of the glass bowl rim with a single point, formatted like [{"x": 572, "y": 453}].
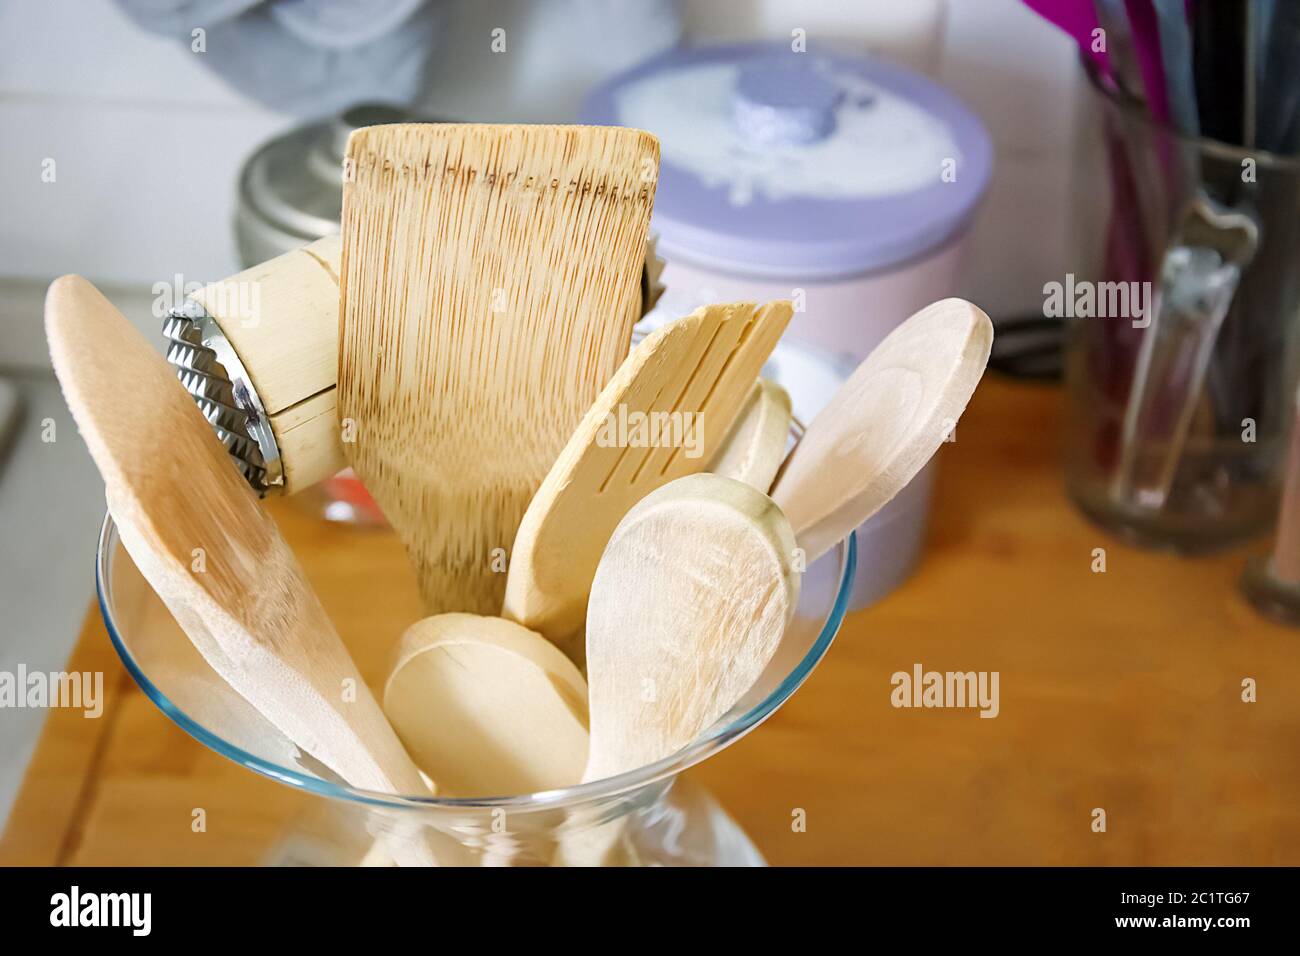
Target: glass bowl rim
[
  {"x": 721, "y": 736},
  {"x": 1135, "y": 109}
]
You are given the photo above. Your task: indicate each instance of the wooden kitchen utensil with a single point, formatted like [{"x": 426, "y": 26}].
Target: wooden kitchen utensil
[
  {"x": 884, "y": 423},
  {"x": 487, "y": 708},
  {"x": 490, "y": 279},
  {"x": 258, "y": 352},
  {"x": 687, "y": 607},
  {"x": 660, "y": 417},
  {"x": 194, "y": 529},
  {"x": 755, "y": 448}
]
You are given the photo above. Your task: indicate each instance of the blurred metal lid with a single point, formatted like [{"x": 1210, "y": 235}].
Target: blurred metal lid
[{"x": 291, "y": 189}]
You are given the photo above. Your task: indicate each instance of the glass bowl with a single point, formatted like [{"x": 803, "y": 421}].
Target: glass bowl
[{"x": 646, "y": 816}]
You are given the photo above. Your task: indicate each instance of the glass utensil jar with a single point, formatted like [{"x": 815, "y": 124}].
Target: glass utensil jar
[
  {"x": 1179, "y": 358},
  {"x": 646, "y": 817}
]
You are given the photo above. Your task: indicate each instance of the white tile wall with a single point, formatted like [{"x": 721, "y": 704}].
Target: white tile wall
[
  {"x": 147, "y": 141},
  {"x": 1020, "y": 75},
  {"x": 146, "y": 144},
  {"x": 142, "y": 191},
  {"x": 80, "y": 50}
]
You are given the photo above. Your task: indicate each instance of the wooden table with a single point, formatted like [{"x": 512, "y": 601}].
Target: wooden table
[{"x": 1119, "y": 690}]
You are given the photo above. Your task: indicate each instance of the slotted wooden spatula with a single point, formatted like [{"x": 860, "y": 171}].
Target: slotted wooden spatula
[
  {"x": 490, "y": 280},
  {"x": 662, "y": 416},
  {"x": 884, "y": 423},
  {"x": 195, "y": 530}
]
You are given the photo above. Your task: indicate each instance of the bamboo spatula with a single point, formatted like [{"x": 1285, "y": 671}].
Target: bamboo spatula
[
  {"x": 700, "y": 369},
  {"x": 688, "y": 606},
  {"x": 884, "y": 423},
  {"x": 195, "y": 530},
  {"x": 490, "y": 280}
]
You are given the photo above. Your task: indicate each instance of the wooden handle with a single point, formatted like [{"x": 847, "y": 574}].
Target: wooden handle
[{"x": 281, "y": 319}]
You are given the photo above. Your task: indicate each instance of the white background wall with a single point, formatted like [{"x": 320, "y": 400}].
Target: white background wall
[{"x": 148, "y": 141}]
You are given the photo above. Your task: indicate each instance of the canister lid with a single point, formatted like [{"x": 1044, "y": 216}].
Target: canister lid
[
  {"x": 809, "y": 164},
  {"x": 292, "y": 183}
]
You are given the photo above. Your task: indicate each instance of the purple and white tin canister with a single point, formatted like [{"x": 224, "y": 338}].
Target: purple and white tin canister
[{"x": 840, "y": 182}]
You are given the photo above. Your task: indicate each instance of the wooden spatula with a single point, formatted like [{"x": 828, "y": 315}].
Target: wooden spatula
[
  {"x": 490, "y": 280},
  {"x": 754, "y": 449},
  {"x": 662, "y": 416},
  {"x": 194, "y": 529},
  {"x": 884, "y": 423},
  {"x": 488, "y": 708},
  {"x": 688, "y": 606}
]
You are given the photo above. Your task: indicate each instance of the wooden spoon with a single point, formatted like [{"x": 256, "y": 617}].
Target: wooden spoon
[
  {"x": 692, "y": 376},
  {"x": 884, "y": 423},
  {"x": 488, "y": 708},
  {"x": 688, "y": 606},
  {"x": 194, "y": 529},
  {"x": 755, "y": 448},
  {"x": 490, "y": 279}
]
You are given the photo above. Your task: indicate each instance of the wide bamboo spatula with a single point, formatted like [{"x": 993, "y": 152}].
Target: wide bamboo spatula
[
  {"x": 490, "y": 280},
  {"x": 687, "y": 607},
  {"x": 692, "y": 376},
  {"x": 885, "y": 422},
  {"x": 194, "y": 529}
]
